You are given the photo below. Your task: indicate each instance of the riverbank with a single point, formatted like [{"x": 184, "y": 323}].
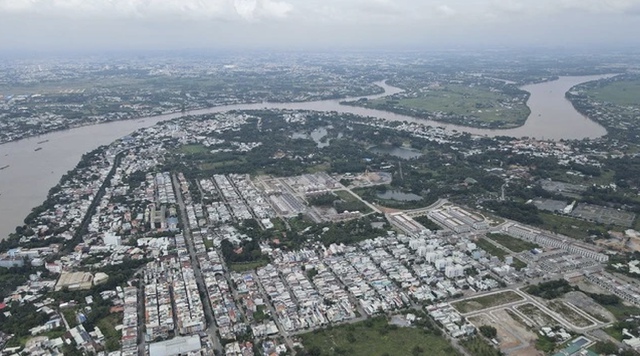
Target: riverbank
[{"x": 30, "y": 175}]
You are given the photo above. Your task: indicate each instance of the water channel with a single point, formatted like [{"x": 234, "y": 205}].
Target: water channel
[{"x": 30, "y": 173}]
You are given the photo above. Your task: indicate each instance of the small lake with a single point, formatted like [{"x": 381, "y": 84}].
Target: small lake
[
  {"x": 399, "y": 196},
  {"x": 316, "y": 135},
  {"x": 400, "y": 152}
]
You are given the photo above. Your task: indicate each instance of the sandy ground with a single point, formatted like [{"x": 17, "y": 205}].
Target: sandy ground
[
  {"x": 588, "y": 305},
  {"x": 513, "y": 337}
]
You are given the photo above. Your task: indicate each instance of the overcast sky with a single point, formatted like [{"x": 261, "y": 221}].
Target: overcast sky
[{"x": 308, "y": 24}]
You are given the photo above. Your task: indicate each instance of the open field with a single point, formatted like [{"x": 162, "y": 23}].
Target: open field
[
  {"x": 576, "y": 228},
  {"x": 539, "y": 317},
  {"x": 487, "y": 301},
  {"x": 622, "y": 92},
  {"x": 513, "y": 336},
  {"x": 375, "y": 337},
  {"x": 108, "y": 327},
  {"x": 506, "y": 339},
  {"x": 193, "y": 149},
  {"x": 462, "y": 100},
  {"x": 248, "y": 266},
  {"x": 491, "y": 248},
  {"x": 512, "y": 243},
  {"x": 589, "y": 306},
  {"x": 350, "y": 202},
  {"x": 569, "y": 314}
]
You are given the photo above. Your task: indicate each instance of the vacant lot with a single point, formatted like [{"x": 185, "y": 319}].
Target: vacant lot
[
  {"x": 512, "y": 243},
  {"x": 589, "y": 306},
  {"x": 375, "y": 337},
  {"x": 491, "y": 249},
  {"x": 536, "y": 315},
  {"x": 576, "y": 228},
  {"x": 487, "y": 301},
  {"x": 505, "y": 337},
  {"x": 512, "y": 333},
  {"x": 569, "y": 314}
]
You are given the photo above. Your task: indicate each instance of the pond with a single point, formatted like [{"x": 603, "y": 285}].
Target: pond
[
  {"x": 400, "y": 152},
  {"x": 399, "y": 196}
]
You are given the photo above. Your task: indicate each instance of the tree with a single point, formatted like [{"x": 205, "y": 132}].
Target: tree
[{"x": 488, "y": 331}]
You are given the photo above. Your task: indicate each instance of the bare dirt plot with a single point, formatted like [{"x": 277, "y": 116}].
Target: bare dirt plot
[
  {"x": 569, "y": 314},
  {"x": 538, "y": 316},
  {"x": 506, "y": 339},
  {"x": 591, "y": 288},
  {"x": 589, "y": 306},
  {"x": 514, "y": 326},
  {"x": 487, "y": 301}
]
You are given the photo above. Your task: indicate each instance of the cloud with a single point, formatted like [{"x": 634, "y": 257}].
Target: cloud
[
  {"x": 202, "y": 23},
  {"x": 446, "y": 10},
  {"x": 150, "y": 9}
]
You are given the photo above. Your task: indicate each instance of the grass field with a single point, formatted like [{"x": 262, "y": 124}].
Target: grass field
[
  {"x": 621, "y": 311},
  {"x": 375, "y": 337},
  {"x": 569, "y": 314},
  {"x": 241, "y": 267},
  {"x": 512, "y": 243},
  {"x": 351, "y": 203},
  {"x": 108, "y": 327},
  {"x": 193, "y": 149},
  {"x": 576, "y": 228},
  {"x": 518, "y": 264},
  {"x": 487, "y": 301},
  {"x": 623, "y": 92},
  {"x": 478, "y": 346},
  {"x": 491, "y": 249},
  {"x": 462, "y": 100}
]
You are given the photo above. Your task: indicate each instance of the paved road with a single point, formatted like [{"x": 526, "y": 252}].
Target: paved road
[
  {"x": 274, "y": 315},
  {"x": 212, "y": 330}
]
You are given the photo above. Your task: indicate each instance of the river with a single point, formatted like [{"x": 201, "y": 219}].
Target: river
[{"x": 30, "y": 174}]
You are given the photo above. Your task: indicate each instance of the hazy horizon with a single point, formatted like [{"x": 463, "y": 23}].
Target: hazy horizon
[{"x": 80, "y": 25}]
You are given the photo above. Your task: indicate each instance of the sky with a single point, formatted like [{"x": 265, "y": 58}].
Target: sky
[{"x": 314, "y": 24}]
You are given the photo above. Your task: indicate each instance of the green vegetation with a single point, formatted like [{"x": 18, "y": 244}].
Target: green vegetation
[
  {"x": 491, "y": 248},
  {"x": 428, "y": 223},
  {"x": 341, "y": 200},
  {"x": 477, "y": 346},
  {"x": 108, "y": 327},
  {"x": 575, "y": 228},
  {"x": 260, "y": 315},
  {"x": 193, "y": 149},
  {"x": 518, "y": 264},
  {"x": 70, "y": 316},
  {"x": 569, "y": 314},
  {"x": 10, "y": 278},
  {"x": 248, "y": 251},
  {"x": 550, "y": 290},
  {"x": 23, "y": 318},
  {"x": 348, "y": 202},
  {"x": 487, "y": 301},
  {"x": 514, "y": 244},
  {"x": 347, "y": 232},
  {"x": 488, "y": 331},
  {"x": 545, "y": 344},
  {"x": 248, "y": 266},
  {"x": 375, "y": 337},
  {"x": 483, "y": 105},
  {"x": 524, "y": 213},
  {"x": 622, "y": 92}
]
